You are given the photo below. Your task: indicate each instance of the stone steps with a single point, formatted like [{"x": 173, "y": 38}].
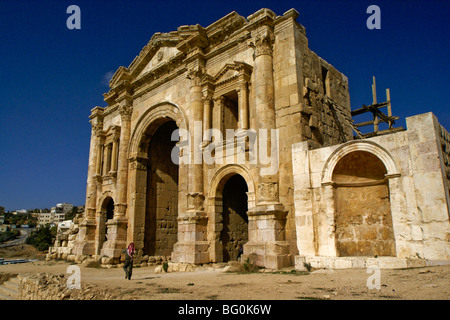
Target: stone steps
[{"x": 9, "y": 290}]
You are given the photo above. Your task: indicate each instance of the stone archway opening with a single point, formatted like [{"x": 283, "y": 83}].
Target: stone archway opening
[
  {"x": 161, "y": 213},
  {"x": 234, "y": 217},
  {"x": 106, "y": 213},
  {"x": 363, "y": 214}
]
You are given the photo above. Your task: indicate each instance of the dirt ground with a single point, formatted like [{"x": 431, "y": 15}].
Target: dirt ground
[{"x": 430, "y": 283}]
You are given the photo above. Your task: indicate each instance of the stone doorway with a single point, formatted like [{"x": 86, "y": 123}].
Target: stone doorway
[
  {"x": 161, "y": 225},
  {"x": 106, "y": 213},
  {"x": 363, "y": 213},
  {"x": 234, "y": 217}
]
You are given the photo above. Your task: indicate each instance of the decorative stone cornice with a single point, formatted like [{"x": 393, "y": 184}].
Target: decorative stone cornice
[
  {"x": 196, "y": 40},
  {"x": 97, "y": 112}
]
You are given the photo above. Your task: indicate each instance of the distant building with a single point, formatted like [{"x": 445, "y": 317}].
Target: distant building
[
  {"x": 64, "y": 207},
  {"x": 57, "y": 214},
  {"x": 19, "y": 212},
  {"x": 45, "y": 218},
  {"x": 64, "y": 225}
]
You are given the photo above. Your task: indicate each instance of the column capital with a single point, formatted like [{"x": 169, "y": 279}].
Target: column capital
[
  {"x": 196, "y": 75},
  {"x": 120, "y": 209},
  {"x": 97, "y": 127},
  {"x": 125, "y": 112},
  {"x": 262, "y": 43},
  {"x": 138, "y": 163},
  {"x": 116, "y": 133}
]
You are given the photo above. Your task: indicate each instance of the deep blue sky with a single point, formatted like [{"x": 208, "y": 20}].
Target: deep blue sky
[{"x": 51, "y": 77}]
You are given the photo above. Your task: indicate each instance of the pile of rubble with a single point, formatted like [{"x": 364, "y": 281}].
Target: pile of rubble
[{"x": 44, "y": 286}]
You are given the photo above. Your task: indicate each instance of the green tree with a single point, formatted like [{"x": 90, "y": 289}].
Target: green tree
[
  {"x": 43, "y": 238},
  {"x": 72, "y": 214}
]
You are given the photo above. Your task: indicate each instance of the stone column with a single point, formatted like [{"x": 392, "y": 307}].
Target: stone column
[
  {"x": 115, "y": 150},
  {"x": 117, "y": 227},
  {"x": 243, "y": 105},
  {"x": 99, "y": 152},
  {"x": 85, "y": 242},
  {"x": 196, "y": 109},
  {"x": 266, "y": 246},
  {"x": 218, "y": 114},
  {"x": 192, "y": 246},
  {"x": 206, "y": 115},
  {"x": 107, "y": 159},
  {"x": 125, "y": 110}
]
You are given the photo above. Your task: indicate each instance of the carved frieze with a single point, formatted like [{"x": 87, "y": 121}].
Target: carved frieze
[
  {"x": 138, "y": 163},
  {"x": 268, "y": 191},
  {"x": 195, "y": 201}
]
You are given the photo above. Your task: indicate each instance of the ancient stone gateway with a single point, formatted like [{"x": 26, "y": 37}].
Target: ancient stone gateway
[{"x": 238, "y": 134}]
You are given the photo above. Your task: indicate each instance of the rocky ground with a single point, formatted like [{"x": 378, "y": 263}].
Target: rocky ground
[{"x": 214, "y": 283}]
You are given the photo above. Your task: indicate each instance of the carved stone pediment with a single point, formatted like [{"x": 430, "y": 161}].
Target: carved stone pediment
[
  {"x": 232, "y": 71},
  {"x": 160, "y": 57}
]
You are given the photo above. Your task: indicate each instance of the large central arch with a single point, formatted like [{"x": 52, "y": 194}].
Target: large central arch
[{"x": 148, "y": 180}]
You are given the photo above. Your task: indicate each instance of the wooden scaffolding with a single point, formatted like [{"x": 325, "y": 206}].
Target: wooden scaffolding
[{"x": 378, "y": 116}]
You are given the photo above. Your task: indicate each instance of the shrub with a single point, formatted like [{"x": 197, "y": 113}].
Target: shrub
[{"x": 43, "y": 238}]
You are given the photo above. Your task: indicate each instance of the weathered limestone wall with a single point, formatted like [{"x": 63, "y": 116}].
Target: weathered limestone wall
[
  {"x": 363, "y": 213},
  {"x": 417, "y": 195}
]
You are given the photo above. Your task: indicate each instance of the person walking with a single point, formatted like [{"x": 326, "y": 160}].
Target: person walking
[{"x": 128, "y": 264}]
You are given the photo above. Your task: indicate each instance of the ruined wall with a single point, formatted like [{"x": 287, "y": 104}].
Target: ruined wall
[
  {"x": 417, "y": 196},
  {"x": 54, "y": 287},
  {"x": 444, "y": 139},
  {"x": 322, "y": 124},
  {"x": 302, "y": 113}
]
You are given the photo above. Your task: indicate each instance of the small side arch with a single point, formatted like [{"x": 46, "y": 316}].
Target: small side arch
[
  {"x": 221, "y": 177},
  {"x": 352, "y": 146}
]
